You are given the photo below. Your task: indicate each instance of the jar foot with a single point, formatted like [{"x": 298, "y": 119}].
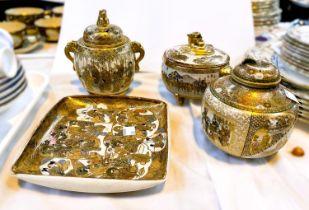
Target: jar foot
[{"x": 180, "y": 100}]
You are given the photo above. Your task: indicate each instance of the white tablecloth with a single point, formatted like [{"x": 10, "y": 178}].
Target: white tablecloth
[{"x": 200, "y": 176}]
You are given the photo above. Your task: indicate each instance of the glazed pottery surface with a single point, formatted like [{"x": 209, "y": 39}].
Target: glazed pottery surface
[
  {"x": 121, "y": 142},
  {"x": 187, "y": 69},
  {"x": 248, "y": 114},
  {"x": 104, "y": 59},
  {"x": 49, "y": 28}
]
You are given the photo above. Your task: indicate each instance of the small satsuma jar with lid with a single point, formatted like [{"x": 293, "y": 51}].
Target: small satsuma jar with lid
[
  {"x": 188, "y": 68},
  {"x": 249, "y": 114}
]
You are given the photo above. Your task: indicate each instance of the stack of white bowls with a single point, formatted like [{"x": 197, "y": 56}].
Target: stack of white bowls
[{"x": 12, "y": 75}]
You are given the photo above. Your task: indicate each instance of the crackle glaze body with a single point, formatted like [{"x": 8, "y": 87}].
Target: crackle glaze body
[
  {"x": 104, "y": 59},
  {"x": 243, "y": 133},
  {"x": 184, "y": 84},
  {"x": 122, "y": 138},
  {"x": 188, "y": 69},
  {"x": 248, "y": 122},
  {"x": 105, "y": 72}
]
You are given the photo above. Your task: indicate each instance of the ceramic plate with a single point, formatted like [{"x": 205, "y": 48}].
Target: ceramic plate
[
  {"x": 289, "y": 75},
  {"x": 304, "y": 106},
  {"x": 99, "y": 145},
  {"x": 302, "y": 101},
  {"x": 300, "y": 58},
  {"x": 301, "y": 94},
  {"x": 300, "y": 34}
]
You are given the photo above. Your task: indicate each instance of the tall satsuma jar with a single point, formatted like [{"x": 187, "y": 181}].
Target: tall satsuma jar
[{"x": 104, "y": 59}]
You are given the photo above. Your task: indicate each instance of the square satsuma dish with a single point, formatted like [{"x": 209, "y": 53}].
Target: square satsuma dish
[{"x": 98, "y": 144}]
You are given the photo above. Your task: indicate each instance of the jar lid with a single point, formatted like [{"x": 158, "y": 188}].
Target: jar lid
[
  {"x": 253, "y": 86},
  {"x": 103, "y": 34},
  {"x": 196, "y": 55},
  {"x": 256, "y": 73}
]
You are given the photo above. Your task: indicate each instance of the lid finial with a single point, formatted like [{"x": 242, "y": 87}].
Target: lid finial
[
  {"x": 196, "y": 39},
  {"x": 102, "y": 19},
  {"x": 198, "y": 45}
]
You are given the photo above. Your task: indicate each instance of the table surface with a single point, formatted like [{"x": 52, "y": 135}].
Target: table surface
[{"x": 200, "y": 176}]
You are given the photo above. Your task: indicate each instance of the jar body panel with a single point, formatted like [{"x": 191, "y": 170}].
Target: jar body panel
[
  {"x": 268, "y": 133},
  {"x": 243, "y": 133},
  {"x": 184, "y": 84},
  {"x": 105, "y": 72}
]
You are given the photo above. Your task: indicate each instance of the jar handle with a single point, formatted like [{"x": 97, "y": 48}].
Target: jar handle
[
  {"x": 225, "y": 71},
  {"x": 137, "y": 48},
  {"x": 71, "y": 47}
]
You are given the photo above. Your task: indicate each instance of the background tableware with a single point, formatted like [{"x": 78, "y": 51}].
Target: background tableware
[
  {"x": 30, "y": 44},
  {"x": 77, "y": 149},
  {"x": 266, "y": 14},
  {"x": 301, "y": 3},
  {"x": 16, "y": 30},
  {"x": 249, "y": 114},
  {"x": 58, "y": 11},
  {"x": 49, "y": 28},
  {"x": 6, "y": 39},
  {"x": 294, "y": 50},
  {"x": 26, "y": 15},
  {"x": 294, "y": 78},
  {"x": 12, "y": 118},
  {"x": 8, "y": 63},
  {"x": 104, "y": 59},
  {"x": 188, "y": 69},
  {"x": 292, "y": 59},
  {"x": 11, "y": 88}
]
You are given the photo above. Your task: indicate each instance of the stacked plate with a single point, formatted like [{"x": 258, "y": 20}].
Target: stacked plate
[
  {"x": 11, "y": 88},
  {"x": 302, "y": 96},
  {"x": 295, "y": 49},
  {"x": 266, "y": 12},
  {"x": 293, "y": 61}
]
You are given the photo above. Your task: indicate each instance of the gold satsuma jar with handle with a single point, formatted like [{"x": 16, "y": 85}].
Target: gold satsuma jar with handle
[
  {"x": 249, "y": 114},
  {"x": 104, "y": 59},
  {"x": 188, "y": 68}
]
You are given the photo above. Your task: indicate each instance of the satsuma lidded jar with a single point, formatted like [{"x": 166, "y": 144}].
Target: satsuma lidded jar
[
  {"x": 187, "y": 69},
  {"x": 104, "y": 59},
  {"x": 248, "y": 114}
]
